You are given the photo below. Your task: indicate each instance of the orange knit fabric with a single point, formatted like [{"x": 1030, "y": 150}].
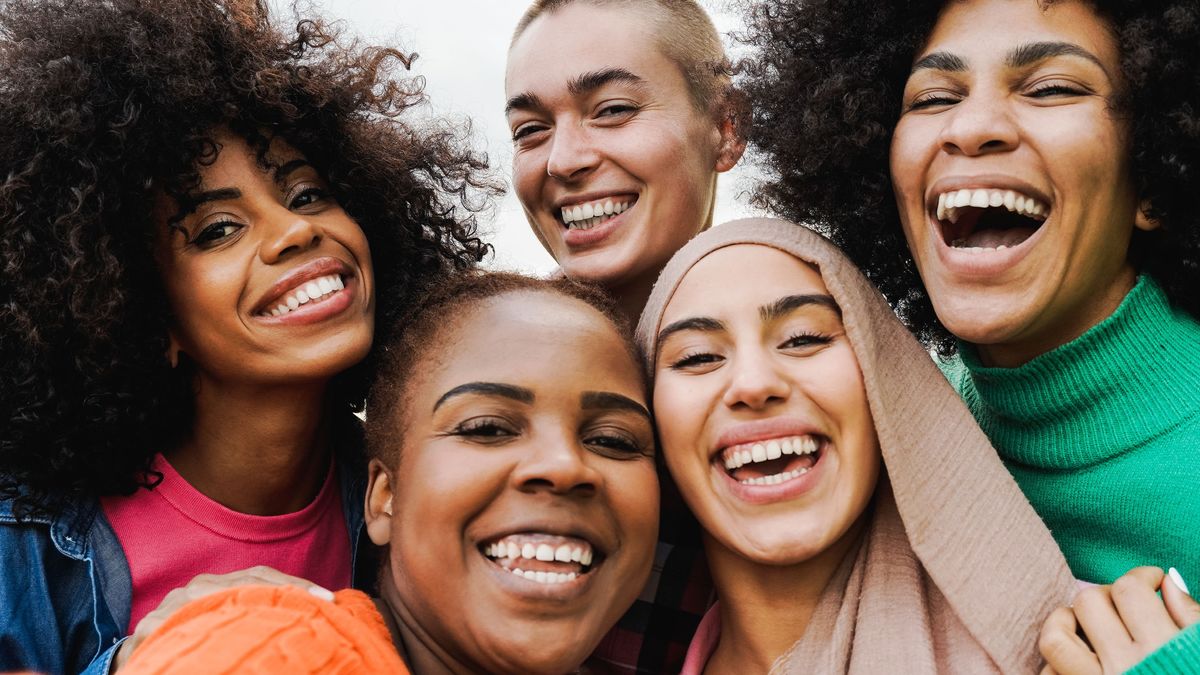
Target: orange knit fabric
[{"x": 270, "y": 630}]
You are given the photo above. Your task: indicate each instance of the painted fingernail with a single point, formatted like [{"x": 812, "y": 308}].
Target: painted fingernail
[
  {"x": 322, "y": 593},
  {"x": 1174, "y": 574}
]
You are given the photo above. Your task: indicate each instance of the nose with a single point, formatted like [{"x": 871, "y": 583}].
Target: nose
[
  {"x": 980, "y": 125},
  {"x": 572, "y": 153},
  {"x": 557, "y": 464},
  {"x": 755, "y": 382},
  {"x": 286, "y": 233}
]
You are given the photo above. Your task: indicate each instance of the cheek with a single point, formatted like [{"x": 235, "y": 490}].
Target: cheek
[{"x": 681, "y": 410}]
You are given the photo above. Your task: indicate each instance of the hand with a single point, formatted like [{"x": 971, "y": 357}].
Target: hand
[
  {"x": 200, "y": 586},
  {"x": 1123, "y": 624}
]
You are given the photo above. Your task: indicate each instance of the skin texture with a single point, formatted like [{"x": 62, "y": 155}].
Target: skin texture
[
  {"x": 634, "y": 138},
  {"x": 1046, "y": 126},
  {"x": 483, "y": 465},
  {"x": 1124, "y": 622},
  {"x": 712, "y": 381}
]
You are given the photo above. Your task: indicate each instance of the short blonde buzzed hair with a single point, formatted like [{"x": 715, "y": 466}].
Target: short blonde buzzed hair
[{"x": 686, "y": 36}]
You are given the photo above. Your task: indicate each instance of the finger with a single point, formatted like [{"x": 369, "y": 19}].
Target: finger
[
  {"x": 1184, "y": 609},
  {"x": 1135, "y": 595},
  {"x": 1101, "y": 624},
  {"x": 205, "y": 585},
  {"x": 1061, "y": 646}
]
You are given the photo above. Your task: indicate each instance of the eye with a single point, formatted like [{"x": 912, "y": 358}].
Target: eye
[
  {"x": 696, "y": 360},
  {"x": 1055, "y": 89},
  {"x": 525, "y": 131},
  {"x": 308, "y": 197},
  {"x": 485, "y": 430},
  {"x": 802, "y": 341},
  {"x": 215, "y": 233},
  {"x": 616, "y": 109},
  {"x": 615, "y": 443},
  {"x": 933, "y": 100}
]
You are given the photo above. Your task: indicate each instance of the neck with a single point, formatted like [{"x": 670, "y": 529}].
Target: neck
[
  {"x": 766, "y": 608},
  {"x": 1087, "y": 313},
  {"x": 420, "y": 651},
  {"x": 256, "y": 450}
]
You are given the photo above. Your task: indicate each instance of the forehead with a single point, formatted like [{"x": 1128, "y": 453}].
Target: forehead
[
  {"x": 718, "y": 284},
  {"x": 536, "y": 339},
  {"x": 583, "y": 38},
  {"x": 984, "y": 31}
]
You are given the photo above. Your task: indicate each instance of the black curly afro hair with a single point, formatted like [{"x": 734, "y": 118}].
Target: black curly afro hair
[
  {"x": 827, "y": 77},
  {"x": 103, "y": 105}
]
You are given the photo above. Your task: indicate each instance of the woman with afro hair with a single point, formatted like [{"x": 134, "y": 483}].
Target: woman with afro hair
[
  {"x": 1019, "y": 179},
  {"x": 202, "y": 217}
]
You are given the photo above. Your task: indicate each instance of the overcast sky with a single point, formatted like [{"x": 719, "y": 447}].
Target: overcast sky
[{"x": 462, "y": 46}]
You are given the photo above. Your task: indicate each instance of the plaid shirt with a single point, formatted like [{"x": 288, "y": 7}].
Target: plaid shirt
[{"x": 653, "y": 636}]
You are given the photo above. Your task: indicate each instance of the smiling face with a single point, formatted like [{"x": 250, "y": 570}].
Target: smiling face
[
  {"x": 523, "y": 512},
  {"x": 762, "y": 413},
  {"x": 1012, "y": 174},
  {"x": 613, "y": 162},
  {"x": 268, "y": 279}
]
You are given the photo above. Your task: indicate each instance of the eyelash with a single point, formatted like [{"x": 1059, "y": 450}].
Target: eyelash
[
  {"x": 209, "y": 236},
  {"x": 1040, "y": 91},
  {"x": 617, "y": 443}
]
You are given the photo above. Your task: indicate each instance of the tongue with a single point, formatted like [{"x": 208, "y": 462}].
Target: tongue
[{"x": 995, "y": 238}]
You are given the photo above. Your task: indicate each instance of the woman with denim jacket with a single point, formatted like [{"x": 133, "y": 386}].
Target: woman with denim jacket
[{"x": 203, "y": 215}]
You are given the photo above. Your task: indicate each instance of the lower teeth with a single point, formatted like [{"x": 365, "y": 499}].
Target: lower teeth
[
  {"x": 544, "y": 577},
  {"x": 775, "y": 479}
]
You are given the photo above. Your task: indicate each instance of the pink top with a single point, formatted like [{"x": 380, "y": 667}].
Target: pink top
[
  {"x": 704, "y": 642},
  {"x": 174, "y": 532}
]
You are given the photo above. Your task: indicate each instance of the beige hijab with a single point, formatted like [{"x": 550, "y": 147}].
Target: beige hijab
[{"x": 956, "y": 572}]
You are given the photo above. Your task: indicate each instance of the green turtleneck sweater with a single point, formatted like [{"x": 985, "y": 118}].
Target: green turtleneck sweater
[{"x": 1103, "y": 436}]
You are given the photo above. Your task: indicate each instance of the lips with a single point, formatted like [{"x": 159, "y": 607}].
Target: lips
[{"x": 312, "y": 282}]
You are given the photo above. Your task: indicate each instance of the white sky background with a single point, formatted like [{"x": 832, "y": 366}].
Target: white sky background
[{"x": 463, "y": 45}]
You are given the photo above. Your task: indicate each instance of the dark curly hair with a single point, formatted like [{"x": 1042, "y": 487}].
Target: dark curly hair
[
  {"x": 827, "y": 77},
  {"x": 103, "y": 105},
  {"x": 424, "y": 326}
]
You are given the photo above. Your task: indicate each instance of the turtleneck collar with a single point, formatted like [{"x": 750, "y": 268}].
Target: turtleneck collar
[{"x": 1126, "y": 380}]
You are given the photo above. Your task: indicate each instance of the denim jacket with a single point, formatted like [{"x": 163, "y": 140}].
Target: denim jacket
[{"x": 65, "y": 589}]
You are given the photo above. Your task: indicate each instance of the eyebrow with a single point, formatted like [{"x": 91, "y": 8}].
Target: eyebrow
[
  {"x": 1018, "y": 57},
  {"x": 789, "y": 303},
  {"x": 578, "y": 86},
  {"x": 285, "y": 169},
  {"x": 189, "y": 203},
  {"x": 604, "y": 400},
  {"x": 700, "y": 323},
  {"x": 487, "y": 389}
]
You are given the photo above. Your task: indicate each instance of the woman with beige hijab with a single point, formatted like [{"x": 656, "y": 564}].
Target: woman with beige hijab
[{"x": 856, "y": 518}]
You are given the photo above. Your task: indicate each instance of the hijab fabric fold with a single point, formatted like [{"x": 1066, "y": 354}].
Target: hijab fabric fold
[{"x": 955, "y": 572}]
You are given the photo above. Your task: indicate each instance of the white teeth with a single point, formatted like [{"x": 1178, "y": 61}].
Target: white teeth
[
  {"x": 769, "y": 450},
  {"x": 587, "y": 216},
  {"x": 545, "y": 577},
  {"x": 306, "y": 293},
  {"x": 776, "y": 478},
  {"x": 949, "y": 203},
  {"x": 511, "y": 547}
]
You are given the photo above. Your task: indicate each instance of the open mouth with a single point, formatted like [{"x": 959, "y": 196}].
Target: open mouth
[
  {"x": 307, "y": 293},
  {"x": 541, "y": 557},
  {"x": 589, "y": 215},
  {"x": 774, "y": 461},
  {"x": 978, "y": 220}
]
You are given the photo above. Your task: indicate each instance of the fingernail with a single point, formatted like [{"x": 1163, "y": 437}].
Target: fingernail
[
  {"x": 322, "y": 593},
  {"x": 1174, "y": 574}
]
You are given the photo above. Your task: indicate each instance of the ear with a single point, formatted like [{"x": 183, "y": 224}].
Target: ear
[
  {"x": 731, "y": 145},
  {"x": 1144, "y": 222},
  {"x": 173, "y": 349},
  {"x": 379, "y": 503}
]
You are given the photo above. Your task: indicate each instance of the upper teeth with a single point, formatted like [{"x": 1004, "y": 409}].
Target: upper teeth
[
  {"x": 514, "y": 547},
  {"x": 308, "y": 292},
  {"x": 741, "y": 455},
  {"x": 587, "y": 216},
  {"x": 950, "y": 202}
]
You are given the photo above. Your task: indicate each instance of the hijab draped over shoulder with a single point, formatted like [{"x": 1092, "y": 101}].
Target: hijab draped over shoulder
[{"x": 955, "y": 572}]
